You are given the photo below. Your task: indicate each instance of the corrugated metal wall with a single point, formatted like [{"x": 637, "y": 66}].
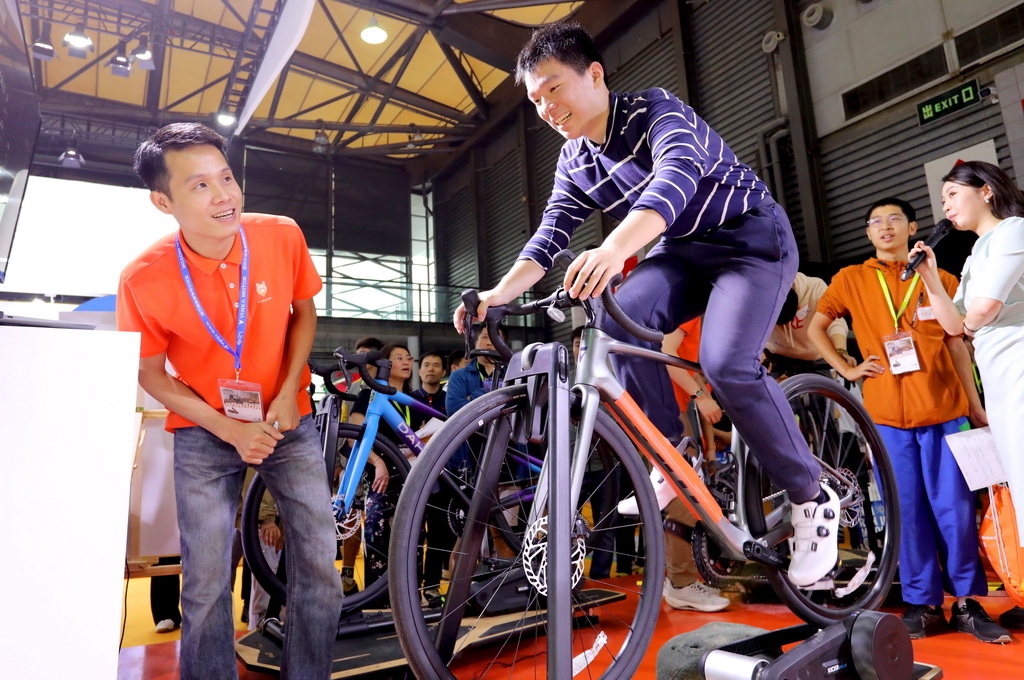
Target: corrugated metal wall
[
  {"x": 885, "y": 157},
  {"x": 455, "y": 224},
  {"x": 734, "y": 81},
  {"x": 503, "y": 204}
]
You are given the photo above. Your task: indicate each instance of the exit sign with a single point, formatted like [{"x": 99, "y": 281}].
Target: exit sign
[{"x": 949, "y": 102}]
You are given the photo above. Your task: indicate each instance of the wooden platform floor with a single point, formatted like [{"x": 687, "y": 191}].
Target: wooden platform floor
[{"x": 960, "y": 656}]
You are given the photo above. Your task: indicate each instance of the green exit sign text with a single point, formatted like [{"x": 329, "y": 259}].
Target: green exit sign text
[{"x": 949, "y": 102}]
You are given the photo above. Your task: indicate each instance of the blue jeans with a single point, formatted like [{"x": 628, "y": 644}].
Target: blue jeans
[
  {"x": 738, "y": 276},
  {"x": 208, "y": 475},
  {"x": 939, "y": 535}
]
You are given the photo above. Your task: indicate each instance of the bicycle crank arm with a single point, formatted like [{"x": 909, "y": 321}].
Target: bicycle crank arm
[{"x": 756, "y": 552}]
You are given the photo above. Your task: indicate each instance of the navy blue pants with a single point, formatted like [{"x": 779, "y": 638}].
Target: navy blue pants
[
  {"x": 939, "y": 535},
  {"x": 737, "y": 276}
]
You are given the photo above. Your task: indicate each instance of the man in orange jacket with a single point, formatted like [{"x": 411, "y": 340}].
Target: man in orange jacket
[{"x": 918, "y": 387}]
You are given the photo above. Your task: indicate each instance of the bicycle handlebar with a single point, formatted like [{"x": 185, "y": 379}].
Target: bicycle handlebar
[
  {"x": 560, "y": 299},
  {"x": 360, "y": 362}
]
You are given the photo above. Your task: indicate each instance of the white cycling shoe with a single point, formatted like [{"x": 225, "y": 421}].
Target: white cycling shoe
[
  {"x": 814, "y": 547},
  {"x": 662, "y": 491}
]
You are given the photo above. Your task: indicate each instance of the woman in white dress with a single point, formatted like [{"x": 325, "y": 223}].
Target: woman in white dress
[{"x": 989, "y": 304}]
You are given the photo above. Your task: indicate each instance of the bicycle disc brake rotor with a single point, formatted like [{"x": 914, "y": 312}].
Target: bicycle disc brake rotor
[
  {"x": 350, "y": 524},
  {"x": 535, "y": 554},
  {"x": 847, "y": 482}
]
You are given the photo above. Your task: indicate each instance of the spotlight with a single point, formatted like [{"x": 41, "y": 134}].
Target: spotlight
[
  {"x": 321, "y": 142},
  {"x": 373, "y": 33},
  {"x": 119, "y": 63},
  {"x": 71, "y": 158},
  {"x": 225, "y": 119},
  {"x": 78, "y": 43},
  {"x": 42, "y": 47},
  {"x": 142, "y": 56}
]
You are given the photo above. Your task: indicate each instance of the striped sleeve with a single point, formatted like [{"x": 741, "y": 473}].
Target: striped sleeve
[
  {"x": 679, "y": 155},
  {"x": 567, "y": 208}
]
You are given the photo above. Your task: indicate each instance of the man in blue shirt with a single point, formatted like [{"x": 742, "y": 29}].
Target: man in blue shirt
[
  {"x": 723, "y": 248},
  {"x": 473, "y": 380}
]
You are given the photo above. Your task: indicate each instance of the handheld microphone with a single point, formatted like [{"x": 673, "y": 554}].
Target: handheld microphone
[{"x": 942, "y": 228}]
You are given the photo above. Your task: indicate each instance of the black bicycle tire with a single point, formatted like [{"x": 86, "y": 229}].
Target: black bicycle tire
[
  {"x": 793, "y": 597},
  {"x": 261, "y": 570},
  {"x": 413, "y": 633}
]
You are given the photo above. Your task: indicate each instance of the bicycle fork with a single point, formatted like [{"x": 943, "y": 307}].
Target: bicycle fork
[{"x": 541, "y": 366}]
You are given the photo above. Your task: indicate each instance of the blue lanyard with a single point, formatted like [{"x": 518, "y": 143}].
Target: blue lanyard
[{"x": 243, "y": 302}]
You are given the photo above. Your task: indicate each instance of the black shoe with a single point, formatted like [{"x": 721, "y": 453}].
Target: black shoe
[
  {"x": 349, "y": 587},
  {"x": 922, "y": 620},
  {"x": 973, "y": 619},
  {"x": 1012, "y": 618}
]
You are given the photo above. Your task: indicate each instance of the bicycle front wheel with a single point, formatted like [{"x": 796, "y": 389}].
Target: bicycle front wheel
[
  {"x": 361, "y": 553},
  {"x": 841, "y": 435},
  {"x": 492, "y": 612}
]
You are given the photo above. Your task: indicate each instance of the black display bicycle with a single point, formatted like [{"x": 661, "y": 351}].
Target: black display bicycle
[
  {"x": 590, "y": 432},
  {"x": 354, "y": 444}
]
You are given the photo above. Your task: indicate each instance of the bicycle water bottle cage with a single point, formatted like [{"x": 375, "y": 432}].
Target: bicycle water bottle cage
[{"x": 535, "y": 367}]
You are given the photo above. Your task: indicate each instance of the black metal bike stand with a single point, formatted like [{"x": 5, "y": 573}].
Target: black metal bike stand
[{"x": 867, "y": 645}]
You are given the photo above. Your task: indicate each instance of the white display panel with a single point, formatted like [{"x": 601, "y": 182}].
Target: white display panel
[
  {"x": 74, "y": 238},
  {"x": 67, "y": 445}
]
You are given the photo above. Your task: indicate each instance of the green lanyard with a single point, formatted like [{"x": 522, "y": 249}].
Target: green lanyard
[{"x": 888, "y": 297}]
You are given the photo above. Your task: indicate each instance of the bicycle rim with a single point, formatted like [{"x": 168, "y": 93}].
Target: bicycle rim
[
  {"x": 493, "y": 612},
  {"x": 840, "y": 434},
  {"x": 370, "y": 582}
]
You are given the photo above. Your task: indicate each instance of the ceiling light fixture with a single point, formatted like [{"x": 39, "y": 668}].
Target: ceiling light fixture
[
  {"x": 142, "y": 56},
  {"x": 71, "y": 158},
  {"x": 373, "y": 33},
  {"x": 225, "y": 119},
  {"x": 321, "y": 142},
  {"x": 119, "y": 63},
  {"x": 78, "y": 43},
  {"x": 42, "y": 46}
]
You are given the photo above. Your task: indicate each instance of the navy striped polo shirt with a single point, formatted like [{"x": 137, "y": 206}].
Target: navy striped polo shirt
[{"x": 659, "y": 155}]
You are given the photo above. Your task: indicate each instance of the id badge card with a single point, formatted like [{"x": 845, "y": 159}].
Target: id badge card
[
  {"x": 901, "y": 353},
  {"x": 926, "y": 313},
  {"x": 242, "y": 400}
]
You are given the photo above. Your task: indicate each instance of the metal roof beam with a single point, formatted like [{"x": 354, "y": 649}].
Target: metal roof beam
[
  {"x": 264, "y": 123},
  {"x": 491, "y": 5},
  {"x": 358, "y": 80},
  {"x": 465, "y": 78}
]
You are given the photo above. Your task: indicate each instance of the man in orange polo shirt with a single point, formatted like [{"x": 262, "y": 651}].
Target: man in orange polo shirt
[
  {"x": 228, "y": 302},
  {"x": 918, "y": 387}
]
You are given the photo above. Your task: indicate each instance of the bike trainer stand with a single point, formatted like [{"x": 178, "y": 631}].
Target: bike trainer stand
[
  {"x": 368, "y": 647},
  {"x": 867, "y": 645}
]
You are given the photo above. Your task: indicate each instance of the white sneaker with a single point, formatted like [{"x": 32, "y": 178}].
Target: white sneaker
[
  {"x": 662, "y": 491},
  {"x": 814, "y": 547},
  {"x": 696, "y": 596},
  {"x": 166, "y": 626}
]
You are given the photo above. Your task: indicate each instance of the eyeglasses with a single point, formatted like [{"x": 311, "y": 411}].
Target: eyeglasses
[{"x": 891, "y": 219}]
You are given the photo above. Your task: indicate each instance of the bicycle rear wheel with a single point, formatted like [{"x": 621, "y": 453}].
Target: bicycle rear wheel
[
  {"x": 371, "y": 583},
  {"x": 493, "y": 613},
  {"x": 842, "y": 436}
]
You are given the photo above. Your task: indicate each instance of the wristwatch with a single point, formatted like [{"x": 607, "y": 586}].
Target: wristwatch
[{"x": 698, "y": 393}]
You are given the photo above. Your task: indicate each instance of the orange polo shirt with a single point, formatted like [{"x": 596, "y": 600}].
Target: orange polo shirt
[
  {"x": 929, "y": 396},
  {"x": 152, "y": 300},
  {"x": 689, "y": 349}
]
